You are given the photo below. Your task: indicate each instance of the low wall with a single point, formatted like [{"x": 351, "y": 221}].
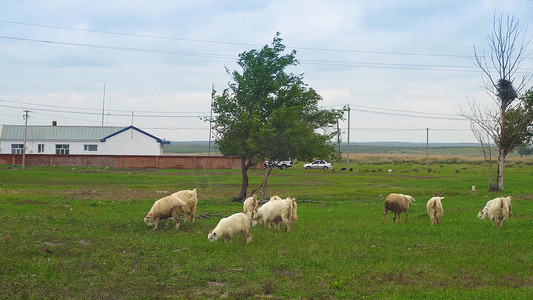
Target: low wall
[{"x": 125, "y": 161}]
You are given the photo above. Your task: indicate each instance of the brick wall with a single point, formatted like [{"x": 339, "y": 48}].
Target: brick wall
[{"x": 125, "y": 161}]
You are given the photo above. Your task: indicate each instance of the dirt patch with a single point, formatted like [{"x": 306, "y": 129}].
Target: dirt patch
[
  {"x": 28, "y": 201},
  {"x": 114, "y": 195},
  {"x": 216, "y": 283}
]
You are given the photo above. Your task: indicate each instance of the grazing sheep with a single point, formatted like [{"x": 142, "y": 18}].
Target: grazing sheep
[
  {"x": 397, "y": 203},
  {"x": 276, "y": 211},
  {"x": 229, "y": 226},
  {"x": 435, "y": 210},
  {"x": 250, "y": 206},
  {"x": 191, "y": 200},
  {"x": 164, "y": 208},
  {"x": 498, "y": 210},
  {"x": 274, "y": 198}
]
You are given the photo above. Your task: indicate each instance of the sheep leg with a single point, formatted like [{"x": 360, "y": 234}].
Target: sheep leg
[
  {"x": 166, "y": 223},
  {"x": 193, "y": 212},
  {"x": 156, "y": 223},
  {"x": 287, "y": 226},
  {"x": 176, "y": 217},
  {"x": 406, "y": 216},
  {"x": 247, "y": 235}
]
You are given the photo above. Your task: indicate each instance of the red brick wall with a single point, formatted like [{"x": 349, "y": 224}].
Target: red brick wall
[{"x": 125, "y": 161}]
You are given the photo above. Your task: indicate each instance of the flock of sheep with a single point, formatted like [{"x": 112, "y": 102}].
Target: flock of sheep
[
  {"x": 498, "y": 209},
  {"x": 272, "y": 213},
  {"x": 278, "y": 210}
]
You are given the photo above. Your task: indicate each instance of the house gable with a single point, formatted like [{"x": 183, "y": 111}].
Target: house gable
[{"x": 138, "y": 130}]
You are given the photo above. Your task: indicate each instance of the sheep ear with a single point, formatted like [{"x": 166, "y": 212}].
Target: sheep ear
[{"x": 147, "y": 213}]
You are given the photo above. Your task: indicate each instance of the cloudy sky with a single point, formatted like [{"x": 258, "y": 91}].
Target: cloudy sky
[{"x": 401, "y": 66}]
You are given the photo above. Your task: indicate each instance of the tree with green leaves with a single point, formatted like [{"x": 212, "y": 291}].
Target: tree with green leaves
[{"x": 267, "y": 113}]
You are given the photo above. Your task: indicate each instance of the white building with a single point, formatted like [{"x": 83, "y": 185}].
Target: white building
[{"x": 98, "y": 140}]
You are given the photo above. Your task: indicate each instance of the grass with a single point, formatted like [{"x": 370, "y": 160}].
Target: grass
[{"x": 78, "y": 233}]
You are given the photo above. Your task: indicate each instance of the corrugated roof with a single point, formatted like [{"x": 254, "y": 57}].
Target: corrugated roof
[{"x": 16, "y": 132}]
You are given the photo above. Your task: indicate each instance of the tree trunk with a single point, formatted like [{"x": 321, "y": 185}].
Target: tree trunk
[
  {"x": 263, "y": 184},
  {"x": 265, "y": 180},
  {"x": 244, "y": 186},
  {"x": 501, "y": 162}
]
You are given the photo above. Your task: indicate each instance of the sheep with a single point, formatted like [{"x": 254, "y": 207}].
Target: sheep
[
  {"x": 164, "y": 208},
  {"x": 274, "y": 198},
  {"x": 191, "y": 200},
  {"x": 397, "y": 203},
  {"x": 497, "y": 209},
  {"x": 276, "y": 211},
  {"x": 250, "y": 206},
  {"x": 435, "y": 210},
  {"x": 229, "y": 226}
]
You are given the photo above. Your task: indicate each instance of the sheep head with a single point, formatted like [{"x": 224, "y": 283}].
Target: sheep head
[
  {"x": 148, "y": 220},
  {"x": 212, "y": 236}
]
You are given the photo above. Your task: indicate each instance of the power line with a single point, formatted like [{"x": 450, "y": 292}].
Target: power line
[
  {"x": 418, "y": 67},
  {"x": 98, "y": 109},
  {"x": 235, "y": 43},
  {"x": 131, "y": 49},
  {"x": 110, "y": 114}
]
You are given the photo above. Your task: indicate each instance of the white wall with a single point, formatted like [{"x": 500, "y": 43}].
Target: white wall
[{"x": 130, "y": 142}]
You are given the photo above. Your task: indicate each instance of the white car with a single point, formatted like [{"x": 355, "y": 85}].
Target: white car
[
  {"x": 318, "y": 164},
  {"x": 282, "y": 164}
]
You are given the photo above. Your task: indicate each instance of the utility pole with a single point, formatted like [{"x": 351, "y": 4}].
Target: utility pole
[
  {"x": 427, "y": 147},
  {"x": 26, "y": 116},
  {"x": 103, "y": 107},
  {"x": 211, "y": 116},
  {"x": 339, "y": 145},
  {"x": 347, "y": 107}
]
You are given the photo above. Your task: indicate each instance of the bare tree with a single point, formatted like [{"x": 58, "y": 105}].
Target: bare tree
[{"x": 507, "y": 46}]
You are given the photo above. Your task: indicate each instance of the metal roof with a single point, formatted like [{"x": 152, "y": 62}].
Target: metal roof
[{"x": 16, "y": 132}]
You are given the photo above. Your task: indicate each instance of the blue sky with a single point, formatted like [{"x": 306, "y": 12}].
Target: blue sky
[{"x": 402, "y": 66}]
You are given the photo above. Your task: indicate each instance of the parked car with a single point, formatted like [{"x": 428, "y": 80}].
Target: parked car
[
  {"x": 318, "y": 164},
  {"x": 282, "y": 164}
]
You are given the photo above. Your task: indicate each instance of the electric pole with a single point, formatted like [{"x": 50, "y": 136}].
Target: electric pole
[
  {"x": 339, "y": 145},
  {"x": 347, "y": 107},
  {"x": 26, "y": 116},
  {"x": 427, "y": 147},
  {"x": 103, "y": 107},
  {"x": 211, "y": 117}
]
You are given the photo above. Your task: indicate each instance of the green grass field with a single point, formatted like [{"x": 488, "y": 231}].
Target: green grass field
[{"x": 79, "y": 233}]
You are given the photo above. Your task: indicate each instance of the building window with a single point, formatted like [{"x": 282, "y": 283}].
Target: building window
[
  {"x": 40, "y": 148},
  {"x": 17, "y": 148},
  {"x": 90, "y": 148},
  {"x": 62, "y": 149}
]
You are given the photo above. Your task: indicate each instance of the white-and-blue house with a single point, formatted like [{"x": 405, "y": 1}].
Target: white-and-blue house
[{"x": 63, "y": 140}]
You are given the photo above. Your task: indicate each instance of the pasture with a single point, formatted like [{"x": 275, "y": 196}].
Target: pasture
[{"x": 79, "y": 233}]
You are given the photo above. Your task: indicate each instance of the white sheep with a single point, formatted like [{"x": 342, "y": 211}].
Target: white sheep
[
  {"x": 191, "y": 200},
  {"x": 274, "y": 198},
  {"x": 250, "y": 206},
  {"x": 397, "y": 203},
  {"x": 164, "y": 208},
  {"x": 276, "y": 211},
  {"x": 229, "y": 226},
  {"x": 435, "y": 210},
  {"x": 498, "y": 210}
]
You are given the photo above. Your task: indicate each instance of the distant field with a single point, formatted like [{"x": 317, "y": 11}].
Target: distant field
[
  {"x": 78, "y": 233},
  {"x": 385, "y": 148}
]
